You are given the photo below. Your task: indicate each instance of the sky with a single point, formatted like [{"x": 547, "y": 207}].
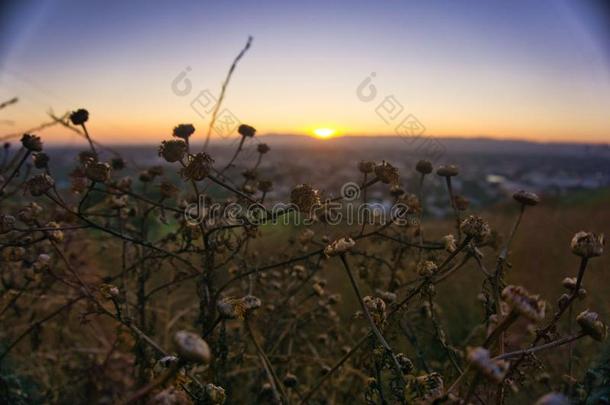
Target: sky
[{"x": 535, "y": 70}]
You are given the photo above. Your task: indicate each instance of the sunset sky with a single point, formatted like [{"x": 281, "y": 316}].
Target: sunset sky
[{"x": 536, "y": 70}]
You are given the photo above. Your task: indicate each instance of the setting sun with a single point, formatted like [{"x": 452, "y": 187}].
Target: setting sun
[{"x": 324, "y": 132}]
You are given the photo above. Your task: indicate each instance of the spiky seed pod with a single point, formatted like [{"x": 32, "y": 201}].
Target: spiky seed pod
[
  {"x": 424, "y": 167},
  {"x": 387, "y": 173},
  {"x": 526, "y": 198},
  {"x": 215, "y": 394},
  {"x": 192, "y": 348},
  {"x": 553, "y": 398},
  {"x": 525, "y": 304},
  {"x": 476, "y": 228},
  {"x": 198, "y": 167},
  {"x": 172, "y": 150},
  {"x": 40, "y": 184},
  {"x": 592, "y": 325},
  {"x": 7, "y": 223},
  {"x": 339, "y": 246},
  {"x": 79, "y": 117},
  {"x": 587, "y": 244},
  {"x": 98, "y": 172},
  {"x": 305, "y": 197},
  {"x": 183, "y": 131},
  {"x": 493, "y": 370},
  {"x": 366, "y": 166},
  {"x": 246, "y": 131},
  {"x": 448, "y": 171},
  {"x": 31, "y": 142},
  {"x": 41, "y": 160},
  {"x": 263, "y": 148}
]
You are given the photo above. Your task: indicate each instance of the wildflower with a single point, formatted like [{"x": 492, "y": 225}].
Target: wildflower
[
  {"x": 587, "y": 244},
  {"x": 290, "y": 380},
  {"x": 553, "y": 398},
  {"x": 493, "y": 370},
  {"x": 192, "y": 348},
  {"x": 263, "y": 148},
  {"x": 172, "y": 150},
  {"x": 184, "y": 131},
  {"x": 591, "y": 325},
  {"x": 305, "y": 197},
  {"x": 215, "y": 394},
  {"x": 387, "y": 173},
  {"x": 109, "y": 291},
  {"x": 520, "y": 300},
  {"x": 475, "y": 227},
  {"x": 366, "y": 166},
  {"x": 449, "y": 243},
  {"x": 31, "y": 142},
  {"x": 57, "y": 234},
  {"x": 424, "y": 167},
  {"x": 7, "y": 223},
  {"x": 30, "y": 212},
  {"x": 447, "y": 171},
  {"x": 198, "y": 167},
  {"x": 98, "y": 172},
  {"x": 79, "y": 117},
  {"x": 406, "y": 365},
  {"x": 339, "y": 246},
  {"x": 526, "y": 198},
  {"x": 377, "y": 309},
  {"x": 246, "y": 131},
  {"x": 40, "y": 184},
  {"x": 41, "y": 160}
]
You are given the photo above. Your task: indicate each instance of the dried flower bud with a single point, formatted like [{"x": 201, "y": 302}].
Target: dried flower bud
[
  {"x": 377, "y": 309},
  {"x": 305, "y": 197},
  {"x": 526, "y": 198},
  {"x": 493, "y": 370},
  {"x": 426, "y": 268},
  {"x": 424, "y": 167},
  {"x": 215, "y": 394},
  {"x": 192, "y": 348},
  {"x": 432, "y": 386},
  {"x": 183, "y": 131},
  {"x": 172, "y": 150},
  {"x": 587, "y": 244},
  {"x": 406, "y": 365},
  {"x": 447, "y": 171},
  {"x": 30, "y": 212},
  {"x": 42, "y": 262},
  {"x": 525, "y": 304},
  {"x": 56, "y": 235},
  {"x": 591, "y": 325},
  {"x": 98, "y": 172},
  {"x": 109, "y": 291},
  {"x": 7, "y": 223},
  {"x": 41, "y": 160},
  {"x": 237, "y": 308},
  {"x": 198, "y": 167},
  {"x": 366, "y": 166},
  {"x": 553, "y": 398},
  {"x": 476, "y": 228},
  {"x": 449, "y": 243},
  {"x": 387, "y": 173},
  {"x": 339, "y": 246},
  {"x": 40, "y": 184},
  {"x": 31, "y": 142},
  {"x": 263, "y": 148},
  {"x": 79, "y": 117},
  {"x": 246, "y": 131}
]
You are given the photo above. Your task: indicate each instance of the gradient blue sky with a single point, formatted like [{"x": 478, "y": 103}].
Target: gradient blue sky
[{"x": 508, "y": 69}]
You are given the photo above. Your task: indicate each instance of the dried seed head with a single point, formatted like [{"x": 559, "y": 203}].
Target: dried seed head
[
  {"x": 339, "y": 246},
  {"x": 432, "y": 385},
  {"x": 237, "y": 308},
  {"x": 426, "y": 268},
  {"x": 31, "y": 142},
  {"x": 40, "y": 184},
  {"x": 192, "y": 348},
  {"x": 7, "y": 223},
  {"x": 569, "y": 283},
  {"x": 56, "y": 235},
  {"x": 447, "y": 171},
  {"x": 587, "y": 244},
  {"x": 79, "y": 117},
  {"x": 290, "y": 380},
  {"x": 525, "y": 304},
  {"x": 387, "y": 173},
  {"x": 553, "y": 398},
  {"x": 30, "y": 212},
  {"x": 476, "y": 228},
  {"x": 172, "y": 150},
  {"x": 98, "y": 172},
  {"x": 449, "y": 243},
  {"x": 592, "y": 325},
  {"x": 526, "y": 197},
  {"x": 366, "y": 166},
  {"x": 493, "y": 370},
  {"x": 109, "y": 291},
  {"x": 198, "y": 167},
  {"x": 215, "y": 394},
  {"x": 246, "y": 131},
  {"x": 406, "y": 365},
  {"x": 41, "y": 160},
  {"x": 183, "y": 131},
  {"x": 305, "y": 197},
  {"x": 424, "y": 167},
  {"x": 377, "y": 309},
  {"x": 263, "y": 148}
]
